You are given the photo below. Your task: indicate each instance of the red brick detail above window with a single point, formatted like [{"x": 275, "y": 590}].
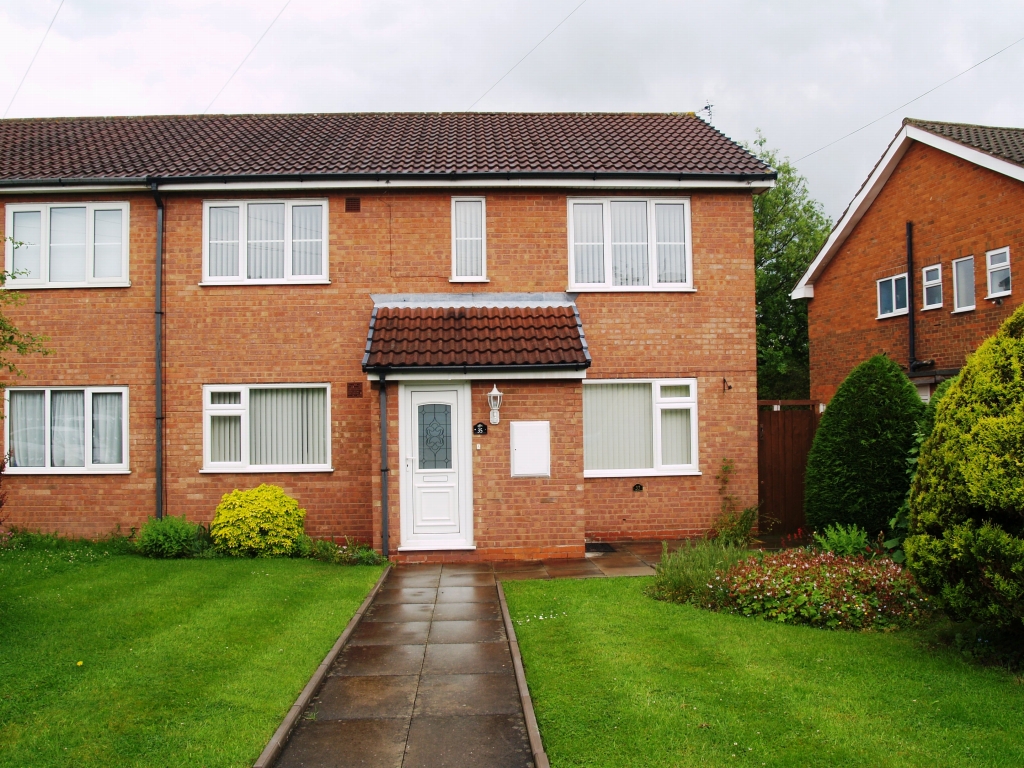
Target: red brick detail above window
[{"x": 476, "y": 337}]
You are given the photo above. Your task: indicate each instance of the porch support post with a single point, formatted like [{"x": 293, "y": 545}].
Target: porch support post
[{"x": 383, "y": 465}]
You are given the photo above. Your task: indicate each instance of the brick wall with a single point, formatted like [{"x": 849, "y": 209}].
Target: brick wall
[
  {"x": 958, "y": 209},
  {"x": 401, "y": 243}
]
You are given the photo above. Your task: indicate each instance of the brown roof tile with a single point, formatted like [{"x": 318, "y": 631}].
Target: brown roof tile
[
  {"x": 203, "y": 146},
  {"x": 475, "y": 337},
  {"x": 1004, "y": 143}
]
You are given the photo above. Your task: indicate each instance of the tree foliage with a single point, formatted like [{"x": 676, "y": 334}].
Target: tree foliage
[
  {"x": 857, "y": 467},
  {"x": 789, "y": 229},
  {"x": 13, "y": 340},
  {"x": 967, "y": 498}
]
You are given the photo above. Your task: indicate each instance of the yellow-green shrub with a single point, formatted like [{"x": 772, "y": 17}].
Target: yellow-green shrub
[{"x": 260, "y": 522}]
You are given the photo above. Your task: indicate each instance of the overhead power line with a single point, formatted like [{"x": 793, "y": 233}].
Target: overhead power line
[
  {"x": 549, "y": 34},
  {"x": 272, "y": 23},
  {"x": 916, "y": 98},
  {"x": 29, "y": 69}
]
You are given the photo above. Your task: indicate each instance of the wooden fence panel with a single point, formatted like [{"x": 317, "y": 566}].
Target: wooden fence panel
[{"x": 784, "y": 440}]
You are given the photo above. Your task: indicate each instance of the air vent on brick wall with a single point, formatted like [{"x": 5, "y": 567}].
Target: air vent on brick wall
[{"x": 352, "y": 205}]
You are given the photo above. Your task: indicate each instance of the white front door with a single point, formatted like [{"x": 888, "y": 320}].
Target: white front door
[{"x": 436, "y": 506}]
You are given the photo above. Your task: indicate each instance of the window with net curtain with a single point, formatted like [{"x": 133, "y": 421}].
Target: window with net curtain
[
  {"x": 66, "y": 429},
  {"x": 268, "y": 427},
  {"x": 639, "y": 427},
  {"x": 265, "y": 241},
  {"x": 629, "y": 244},
  {"x": 468, "y": 240}
]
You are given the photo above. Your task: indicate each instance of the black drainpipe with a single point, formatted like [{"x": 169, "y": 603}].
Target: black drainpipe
[
  {"x": 383, "y": 465},
  {"x": 910, "y": 297},
  {"x": 159, "y": 344}
]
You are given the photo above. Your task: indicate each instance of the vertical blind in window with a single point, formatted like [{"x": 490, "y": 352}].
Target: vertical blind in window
[
  {"x": 265, "y": 227},
  {"x": 106, "y": 244},
  {"x": 469, "y": 238},
  {"x": 963, "y": 282},
  {"x": 226, "y": 439},
  {"x": 67, "y": 245},
  {"x": 223, "y": 242},
  {"x": 675, "y": 436},
  {"x": 670, "y": 220},
  {"x": 618, "y": 430},
  {"x": 307, "y": 239},
  {"x": 629, "y": 243},
  {"x": 588, "y": 245},
  {"x": 288, "y": 426},
  {"x": 27, "y": 429},
  {"x": 28, "y": 230}
]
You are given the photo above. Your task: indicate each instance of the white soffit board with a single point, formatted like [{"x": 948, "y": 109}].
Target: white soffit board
[
  {"x": 876, "y": 181},
  {"x": 531, "y": 448}
]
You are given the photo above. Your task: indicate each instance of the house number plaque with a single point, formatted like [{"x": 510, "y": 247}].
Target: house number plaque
[{"x": 479, "y": 428}]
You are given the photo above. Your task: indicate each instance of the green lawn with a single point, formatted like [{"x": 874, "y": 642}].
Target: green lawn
[
  {"x": 184, "y": 662},
  {"x": 619, "y": 679}
]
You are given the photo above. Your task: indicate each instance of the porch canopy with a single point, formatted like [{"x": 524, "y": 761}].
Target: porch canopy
[{"x": 464, "y": 334}]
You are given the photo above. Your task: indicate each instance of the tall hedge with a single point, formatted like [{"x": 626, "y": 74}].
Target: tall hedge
[
  {"x": 967, "y": 498},
  {"x": 857, "y": 467}
]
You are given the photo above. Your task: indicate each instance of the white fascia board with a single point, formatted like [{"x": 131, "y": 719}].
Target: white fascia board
[
  {"x": 468, "y": 182},
  {"x": 449, "y": 300},
  {"x": 427, "y": 377},
  {"x": 67, "y": 189},
  {"x": 873, "y": 187}
]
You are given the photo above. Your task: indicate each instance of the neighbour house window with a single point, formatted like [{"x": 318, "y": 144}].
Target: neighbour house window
[
  {"x": 266, "y": 428},
  {"x": 998, "y": 272},
  {"x": 265, "y": 241},
  {"x": 67, "y": 430},
  {"x": 70, "y": 245},
  {"x": 628, "y": 244},
  {"x": 931, "y": 283},
  {"x": 892, "y": 296},
  {"x": 638, "y": 428},
  {"x": 469, "y": 240},
  {"x": 963, "y": 284}
]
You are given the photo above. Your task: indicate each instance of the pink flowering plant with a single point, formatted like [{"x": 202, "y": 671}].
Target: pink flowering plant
[{"x": 822, "y": 589}]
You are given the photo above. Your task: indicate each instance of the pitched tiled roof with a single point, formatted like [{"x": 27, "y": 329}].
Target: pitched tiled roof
[
  {"x": 475, "y": 337},
  {"x": 1004, "y": 143},
  {"x": 203, "y": 146}
]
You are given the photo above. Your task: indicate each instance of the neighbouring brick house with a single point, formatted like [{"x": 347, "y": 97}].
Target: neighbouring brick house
[
  {"x": 225, "y": 294},
  {"x": 923, "y": 263}
]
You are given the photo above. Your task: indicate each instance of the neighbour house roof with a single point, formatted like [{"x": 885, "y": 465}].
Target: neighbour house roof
[
  {"x": 426, "y": 335},
  {"x": 998, "y": 149},
  {"x": 230, "y": 147}
]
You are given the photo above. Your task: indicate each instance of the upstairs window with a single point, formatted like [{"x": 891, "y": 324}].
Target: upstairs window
[
  {"x": 629, "y": 244},
  {"x": 67, "y": 245},
  {"x": 963, "y": 284},
  {"x": 892, "y": 296},
  {"x": 931, "y": 285},
  {"x": 67, "y": 430},
  {"x": 265, "y": 241},
  {"x": 998, "y": 263},
  {"x": 469, "y": 240}
]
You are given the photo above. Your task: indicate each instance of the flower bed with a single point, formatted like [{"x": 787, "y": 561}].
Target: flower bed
[{"x": 800, "y": 586}]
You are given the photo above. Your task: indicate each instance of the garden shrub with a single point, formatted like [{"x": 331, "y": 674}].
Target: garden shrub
[
  {"x": 686, "y": 574},
  {"x": 260, "y": 522},
  {"x": 171, "y": 536},
  {"x": 733, "y": 526},
  {"x": 822, "y": 589},
  {"x": 843, "y": 540},
  {"x": 349, "y": 553},
  {"x": 966, "y": 540},
  {"x": 856, "y": 469}
]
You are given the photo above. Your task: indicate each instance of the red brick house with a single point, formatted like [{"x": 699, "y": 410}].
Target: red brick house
[
  {"x": 924, "y": 263},
  {"x": 234, "y": 299}
]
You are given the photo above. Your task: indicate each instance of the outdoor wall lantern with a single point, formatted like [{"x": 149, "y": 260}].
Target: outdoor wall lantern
[{"x": 494, "y": 400}]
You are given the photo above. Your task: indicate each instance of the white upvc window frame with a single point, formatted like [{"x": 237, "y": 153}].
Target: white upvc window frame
[
  {"x": 43, "y": 281},
  {"x": 956, "y": 287},
  {"x": 878, "y": 295},
  {"x": 926, "y": 284},
  {"x": 659, "y": 404},
  {"x": 456, "y": 278},
  {"x": 990, "y": 268},
  {"x": 652, "y": 247},
  {"x": 242, "y": 410},
  {"x": 243, "y": 250},
  {"x": 89, "y": 469}
]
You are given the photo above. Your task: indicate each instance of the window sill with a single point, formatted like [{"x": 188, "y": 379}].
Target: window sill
[
  {"x": 14, "y": 285},
  {"x": 468, "y": 280},
  {"x": 962, "y": 309},
  {"x": 213, "y": 283},
  {"x": 993, "y": 296},
  {"x": 260, "y": 470},
  {"x": 936, "y": 306},
  {"x": 641, "y": 472},
  {"x": 63, "y": 471},
  {"x": 898, "y": 313},
  {"x": 630, "y": 289}
]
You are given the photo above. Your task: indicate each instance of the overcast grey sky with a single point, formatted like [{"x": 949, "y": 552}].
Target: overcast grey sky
[{"x": 805, "y": 73}]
